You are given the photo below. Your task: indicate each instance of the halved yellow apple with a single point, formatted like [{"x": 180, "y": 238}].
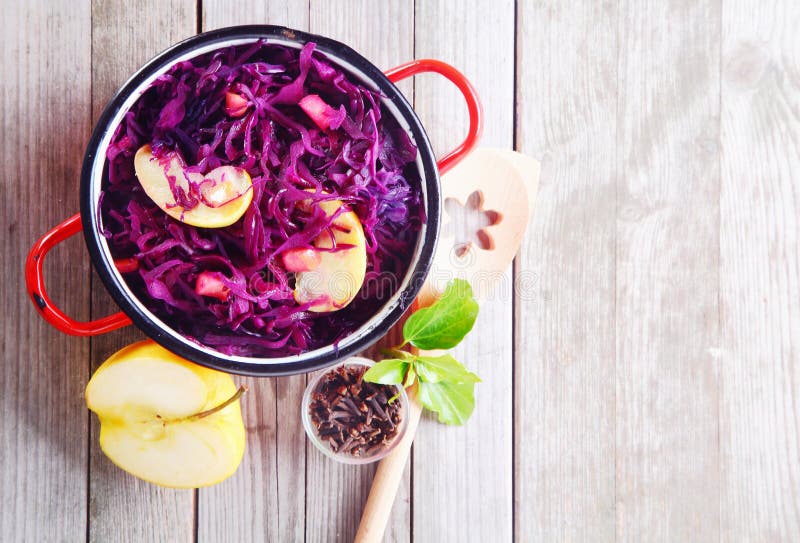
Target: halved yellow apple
[
  {"x": 337, "y": 278},
  {"x": 227, "y": 189},
  {"x": 166, "y": 420}
]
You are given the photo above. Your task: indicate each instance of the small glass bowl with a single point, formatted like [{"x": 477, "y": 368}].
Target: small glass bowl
[{"x": 345, "y": 457}]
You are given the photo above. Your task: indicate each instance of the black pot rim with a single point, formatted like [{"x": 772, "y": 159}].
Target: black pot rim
[{"x": 262, "y": 367}]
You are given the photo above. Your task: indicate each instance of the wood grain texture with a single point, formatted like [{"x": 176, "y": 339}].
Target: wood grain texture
[
  {"x": 760, "y": 273},
  {"x": 265, "y": 499},
  {"x": 463, "y": 475},
  {"x": 219, "y": 13},
  {"x": 667, "y": 272},
  {"x": 121, "y": 507},
  {"x": 655, "y": 334},
  {"x": 336, "y": 493},
  {"x": 564, "y": 320},
  {"x": 45, "y": 118}
]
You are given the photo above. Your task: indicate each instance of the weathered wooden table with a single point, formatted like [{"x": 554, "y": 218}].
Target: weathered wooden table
[{"x": 641, "y": 366}]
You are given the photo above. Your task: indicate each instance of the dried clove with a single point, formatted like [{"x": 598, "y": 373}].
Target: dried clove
[{"x": 353, "y": 416}]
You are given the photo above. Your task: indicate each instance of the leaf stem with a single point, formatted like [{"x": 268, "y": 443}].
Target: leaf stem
[{"x": 396, "y": 353}]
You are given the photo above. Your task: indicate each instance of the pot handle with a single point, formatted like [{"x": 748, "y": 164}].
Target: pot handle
[
  {"x": 34, "y": 278},
  {"x": 470, "y": 95}
]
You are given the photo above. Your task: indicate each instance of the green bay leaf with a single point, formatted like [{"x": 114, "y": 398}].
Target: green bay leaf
[
  {"x": 434, "y": 369},
  {"x": 454, "y": 402},
  {"x": 387, "y": 372},
  {"x": 445, "y": 323}
]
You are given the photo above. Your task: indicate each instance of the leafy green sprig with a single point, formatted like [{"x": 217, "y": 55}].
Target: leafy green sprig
[{"x": 444, "y": 385}]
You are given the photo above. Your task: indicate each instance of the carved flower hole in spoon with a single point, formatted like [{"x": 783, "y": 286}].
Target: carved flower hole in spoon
[{"x": 468, "y": 223}]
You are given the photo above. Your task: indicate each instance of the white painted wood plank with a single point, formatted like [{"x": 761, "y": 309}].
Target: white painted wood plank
[
  {"x": 668, "y": 272},
  {"x": 44, "y": 114},
  {"x": 123, "y": 508},
  {"x": 336, "y": 493},
  {"x": 265, "y": 499},
  {"x": 288, "y": 13},
  {"x": 564, "y": 322},
  {"x": 463, "y": 475},
  {"x": 760, "y": 272}
]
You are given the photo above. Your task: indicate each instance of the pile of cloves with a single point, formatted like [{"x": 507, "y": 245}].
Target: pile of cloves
[{"x": 353, "y": 416}]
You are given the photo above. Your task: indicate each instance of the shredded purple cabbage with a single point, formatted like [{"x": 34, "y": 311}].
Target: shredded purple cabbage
[{"x": 363, "y": 159}]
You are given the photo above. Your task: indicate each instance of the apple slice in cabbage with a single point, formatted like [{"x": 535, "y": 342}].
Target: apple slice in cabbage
[
  {"x": 227, "y": 190},
  {"x": 336, "y": 279}
]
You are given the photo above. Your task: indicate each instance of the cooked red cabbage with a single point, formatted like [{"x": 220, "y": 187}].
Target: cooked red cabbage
[{"x": 360, "y": 156}]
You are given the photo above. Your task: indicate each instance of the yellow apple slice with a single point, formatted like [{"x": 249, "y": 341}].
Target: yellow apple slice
[
  {"x": 166, "y": 420},
  {"x": 228, "y": 189},
  {"x": 337, "y": 278}
]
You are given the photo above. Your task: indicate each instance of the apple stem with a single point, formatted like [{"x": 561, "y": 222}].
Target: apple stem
[{"x": 242, "y": 389}]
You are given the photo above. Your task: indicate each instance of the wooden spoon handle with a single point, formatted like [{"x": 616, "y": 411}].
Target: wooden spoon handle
[{"x": 387, "y": 480}]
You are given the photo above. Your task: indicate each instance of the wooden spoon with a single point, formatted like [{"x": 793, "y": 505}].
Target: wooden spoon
[{"x": 487, "y": 200}]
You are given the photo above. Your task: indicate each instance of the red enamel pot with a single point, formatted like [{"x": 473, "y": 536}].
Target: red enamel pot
[{"x": 134, "y": 311}]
